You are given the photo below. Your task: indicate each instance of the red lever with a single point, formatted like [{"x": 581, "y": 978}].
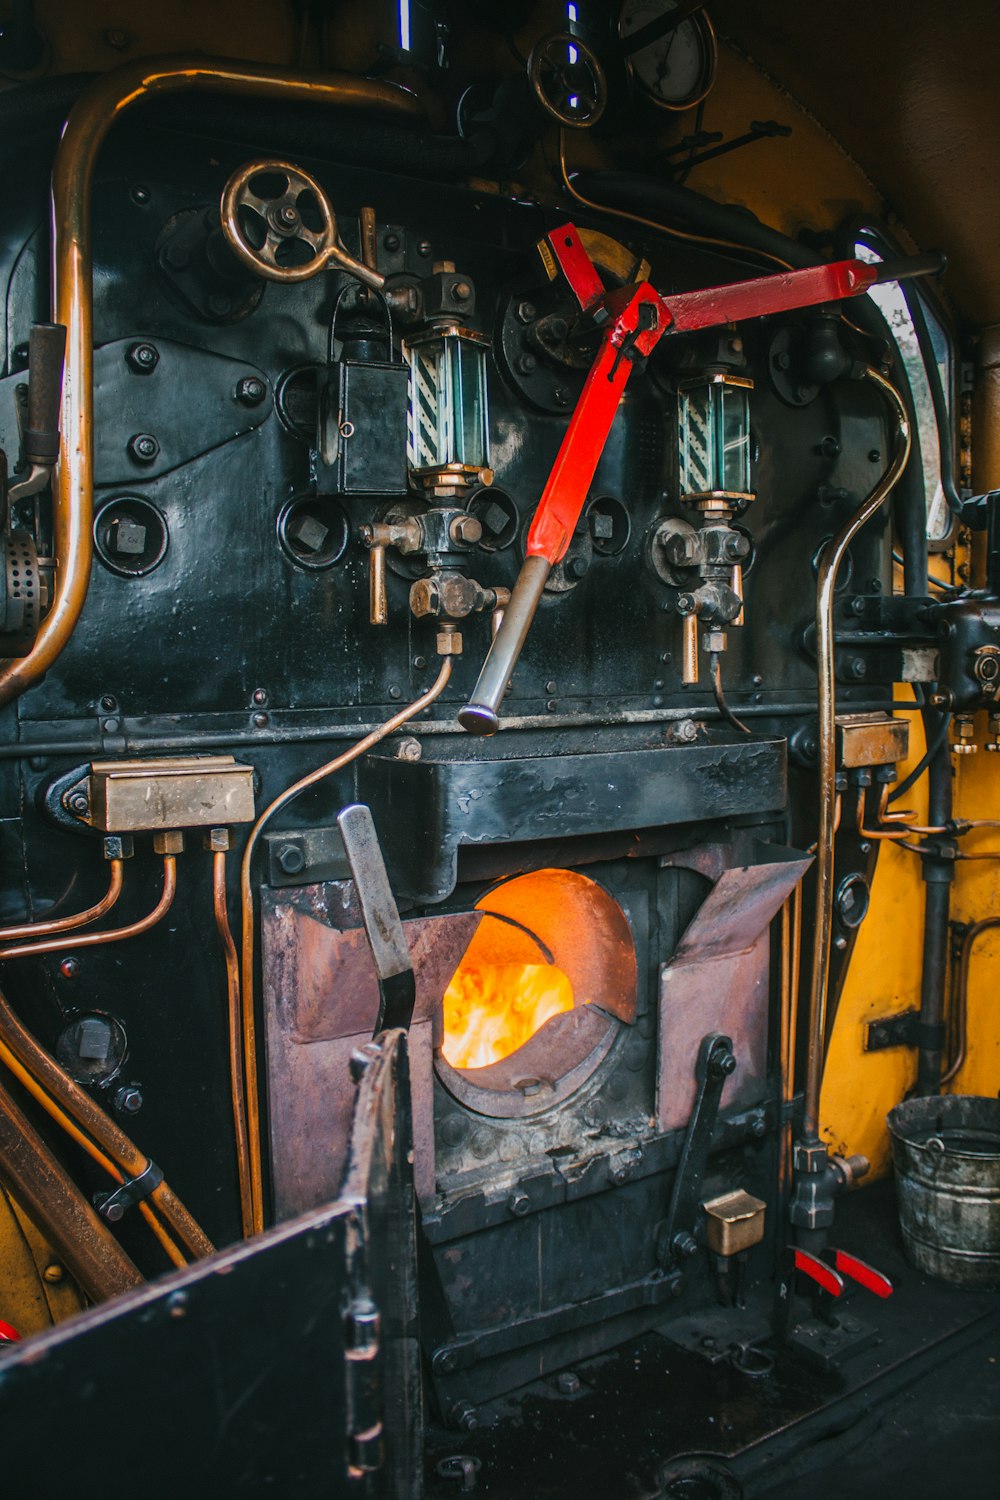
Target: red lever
[
  {"x": 8, "y": 1333},
  {"x": 632, "y": 320},
  {"x": 818, "y": 1271},
  {"x": 861, "y": 1272}
]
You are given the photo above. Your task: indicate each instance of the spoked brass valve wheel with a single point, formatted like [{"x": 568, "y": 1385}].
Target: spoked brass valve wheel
[
  {"x": 271, "y": 232},
  {"x": 568, "y": 80}
]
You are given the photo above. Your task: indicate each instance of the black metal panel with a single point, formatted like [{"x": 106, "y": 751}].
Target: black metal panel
[
  {"x": 286, "y": 1366},
  {"x": 425, "y": 809}
]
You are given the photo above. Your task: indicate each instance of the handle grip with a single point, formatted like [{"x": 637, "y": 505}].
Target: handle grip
[
  {"x": 481, "y": 715},
  {"x": 46, "y": 357}
]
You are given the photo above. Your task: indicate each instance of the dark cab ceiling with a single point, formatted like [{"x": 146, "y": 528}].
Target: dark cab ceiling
[{"x": 910, "y": 89}]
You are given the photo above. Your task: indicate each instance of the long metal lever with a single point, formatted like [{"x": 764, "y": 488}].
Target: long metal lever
[{"x": 396, "y": 983}]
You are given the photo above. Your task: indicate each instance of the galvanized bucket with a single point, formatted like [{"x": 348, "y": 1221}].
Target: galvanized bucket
[{"x": 947, "y": 1155}]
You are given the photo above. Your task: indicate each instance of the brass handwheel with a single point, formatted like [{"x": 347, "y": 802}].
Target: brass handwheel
[
  {"x": 276, "y": 222},
  {"x": 568, "y": 80}
]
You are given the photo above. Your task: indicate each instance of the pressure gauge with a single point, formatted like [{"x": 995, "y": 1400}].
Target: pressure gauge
[{"x": 673, "y": 65}]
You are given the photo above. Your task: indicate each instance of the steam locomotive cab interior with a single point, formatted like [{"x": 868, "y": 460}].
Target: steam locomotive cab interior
[{"x": 500, "y": 618}]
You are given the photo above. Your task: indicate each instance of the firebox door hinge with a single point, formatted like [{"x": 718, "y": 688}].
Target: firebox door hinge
[{"x": 362, "y": 1351}]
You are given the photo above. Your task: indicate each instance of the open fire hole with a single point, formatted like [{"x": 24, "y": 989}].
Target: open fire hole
[{"x": 539, "y": 995}]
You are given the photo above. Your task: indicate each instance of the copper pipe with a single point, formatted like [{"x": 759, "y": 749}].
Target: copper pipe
[
  {"x": 893, "y": 834},
  {"x": 829, "y": 567},
  {"x": 60, "y": 1210},
  {"x": 64, "y": 1122},
  {"x": 961, "y": 1003},
  {"x": 235, "y": 1046},
  {"x": 247, "y": 911},
  {"x": 689, "y": 650},
  {"x": 77, "y": 1103},
  {"x": 90, "y": 119},
  {"x": 114, "y": 934},
  {"x": 78, "y": 919},
  {"x": 786, "y": 1046}
]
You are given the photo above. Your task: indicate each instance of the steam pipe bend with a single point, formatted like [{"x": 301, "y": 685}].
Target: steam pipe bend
[
  {"x": 833, "y": 556},
  {"x": 90, "y": 119}
]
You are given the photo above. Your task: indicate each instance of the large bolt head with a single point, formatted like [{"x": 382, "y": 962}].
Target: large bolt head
[
  {"x": 250, "y": 391},
  {"x": 466, "y": 531},
  {"x": 143, "y": 448},
  {"x": 142, "y": 358}
]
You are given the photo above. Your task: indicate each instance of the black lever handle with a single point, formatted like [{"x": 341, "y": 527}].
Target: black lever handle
[{"x": 46, "y": 358}]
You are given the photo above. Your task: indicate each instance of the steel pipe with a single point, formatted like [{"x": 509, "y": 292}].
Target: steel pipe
[
  {"x": 481, "y": 715},
  {"x": 829, "y": 567},
  {"x": 90, "y": 119}
]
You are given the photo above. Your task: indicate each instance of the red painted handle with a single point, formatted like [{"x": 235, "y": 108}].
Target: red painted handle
[
  {"x": 861, "y": 1272},
  {"x": 783, "y": 292},
  {"x": 819, "y": 1272}
]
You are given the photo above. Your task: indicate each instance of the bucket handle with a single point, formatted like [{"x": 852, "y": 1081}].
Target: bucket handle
[{"x": 935, "y": 1149}]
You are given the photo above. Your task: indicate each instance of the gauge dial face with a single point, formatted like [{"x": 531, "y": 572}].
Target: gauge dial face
[{"x": 677, "y": 69}]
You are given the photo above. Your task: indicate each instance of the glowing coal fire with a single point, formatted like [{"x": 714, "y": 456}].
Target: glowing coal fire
[{"x": 492, "y": 1009}]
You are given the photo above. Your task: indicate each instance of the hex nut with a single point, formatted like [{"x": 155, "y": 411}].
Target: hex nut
[
  {"x": 449, "y": 642},
  {"x": 170, "y": 841},
  {"x": 291, "y": 859}
]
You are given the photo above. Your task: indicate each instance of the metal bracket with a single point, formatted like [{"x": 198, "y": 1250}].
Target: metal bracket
[
  {"x": 716, "y": 1062},
  {"x": 133, "y": 1190},
  {"x": 892, "y": 1031}
]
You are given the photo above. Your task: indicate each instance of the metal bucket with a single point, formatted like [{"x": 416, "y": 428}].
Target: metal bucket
[{"x": 947, "y": 1155}]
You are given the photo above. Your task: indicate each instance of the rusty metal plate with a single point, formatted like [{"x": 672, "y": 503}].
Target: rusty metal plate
[
  {"x": 326, "y": 978},
  {"x": 738, "y": 908},
  {"x": 320, "y": 998},
  {"x": 727, "y": 994},
  {"x": 719, "y": 980}
]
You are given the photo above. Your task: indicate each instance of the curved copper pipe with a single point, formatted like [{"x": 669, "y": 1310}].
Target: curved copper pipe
[
  {"x": 247, "y": 912},
  {"x": 78, "y": 919},
  {"x": 829, "y": 567},
  {"x": 71, "y": 1098},
  {"x": 74, "y": 1132},
  {"x": 114, "y": 934},
  {"x": 235, "y": 1040},
  {"x": 59, "y": 1208},
  {"x": 90, "y": 119},
  {"x": 962, "y": 992}
]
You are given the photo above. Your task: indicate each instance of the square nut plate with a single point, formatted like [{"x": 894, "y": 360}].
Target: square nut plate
[
  {"x": 874, "y": 739},
  {"x": 133, "y": 796}
]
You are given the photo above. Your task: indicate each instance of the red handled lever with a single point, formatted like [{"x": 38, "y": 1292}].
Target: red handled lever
[
  {"x": 819, "y": 1272},
  {"x": 861, "y": 1272},
  {"x": 632, "y": 321}
]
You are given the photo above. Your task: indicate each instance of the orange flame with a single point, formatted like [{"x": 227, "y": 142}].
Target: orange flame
[{"x": 492, "y": 1009}]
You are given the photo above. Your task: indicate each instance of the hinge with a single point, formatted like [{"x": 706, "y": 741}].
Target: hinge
[{"x": 365, "y": 1428}]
